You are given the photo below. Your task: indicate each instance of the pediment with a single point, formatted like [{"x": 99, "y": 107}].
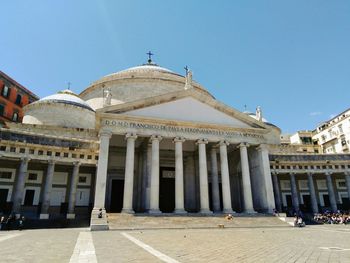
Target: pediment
[{"x": 186, "y": 106}]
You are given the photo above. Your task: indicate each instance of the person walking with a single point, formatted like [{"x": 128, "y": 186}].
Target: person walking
[
  {"x": 2, "y": 223},
  {"x": 21, "y": 223}
]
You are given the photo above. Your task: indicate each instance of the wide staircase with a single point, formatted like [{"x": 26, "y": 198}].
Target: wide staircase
[{"x": 191, "y": 221}]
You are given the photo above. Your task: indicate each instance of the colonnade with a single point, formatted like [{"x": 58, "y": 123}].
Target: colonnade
[
  {"x": 311, "y": 188},
  {"x": 179, "y": 175},
  {"x": 18, "y": 190}
]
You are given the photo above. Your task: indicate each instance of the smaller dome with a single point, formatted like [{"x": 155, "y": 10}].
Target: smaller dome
[{"x": 66, "y": 97}]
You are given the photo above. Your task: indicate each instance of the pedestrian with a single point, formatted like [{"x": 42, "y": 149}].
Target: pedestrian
[
  {"x": 2, "y": 223},
  {"x": 21, "y": 223},
  {"x": 8, "y": 222}
]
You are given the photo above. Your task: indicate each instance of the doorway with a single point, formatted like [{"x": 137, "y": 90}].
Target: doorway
[
  {"x": 117, "y": 195},
  {"x": 307, "y": 203},
  {"x": 29, "y": 197},
  {"x": 211, "y": 196},
  {"x": 3, "y": 198},
  {"x": 167, "y": 190},
  {"x": 289, "y": 201}
]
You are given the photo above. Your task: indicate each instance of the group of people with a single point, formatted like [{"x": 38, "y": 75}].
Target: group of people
[
  {"x": 332, "y": 218},
  {"x": 12, "y": 222}
]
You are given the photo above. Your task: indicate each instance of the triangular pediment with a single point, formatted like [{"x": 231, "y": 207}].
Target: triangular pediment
[
  {"x": 188, "y": 109},
  {"x": 186, "y": 106}
]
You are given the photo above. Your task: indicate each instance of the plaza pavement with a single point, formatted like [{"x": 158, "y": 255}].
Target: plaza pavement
[{"x": 238, "y": 243}]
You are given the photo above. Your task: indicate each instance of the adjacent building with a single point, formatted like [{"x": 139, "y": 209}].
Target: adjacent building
[
  {"x": 13, "y": 97},
  {"x": 334, "y": 135}
]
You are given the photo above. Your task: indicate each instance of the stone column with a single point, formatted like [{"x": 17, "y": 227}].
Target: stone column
[
  {"x": 129, "y": 173},
  {"x": 247, "y": 188},
  {"x": 294, "y": 190},
  {"x": 73, "y": 191},
  {"x": 347, "y": 179},
  {"x": 45, "y": 204},
  {"x": 154, "y": 198},
  {"x": 266, "y": 172},
  {"x": 331, "y": 193},
  {"x": 277, "y": 192},
  {"x": 203, "y": 177},
  {"x": 215, "y": 180},
  {"x": 98, "y": 215},
  {"x": 179, "y": 177},
  {"x": 18, "y": 192},
  {"x": 313, "y": 198},
  {"x": 225, "y": 178}
]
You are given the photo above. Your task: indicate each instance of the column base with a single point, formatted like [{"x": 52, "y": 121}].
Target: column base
[
  {"x": 228, "y": 211},
  {"x": 70, "y": 216},
  {"x": 249, "y": 211},
  {"x": 98, "y": 220},
  {"x": 180, "y": 211},
  {"x": 128, "y": 211},
  {"x": 205, "y": 212},
  {"x": 44, "y": 216},
  {"x": 154, "y": 211}
]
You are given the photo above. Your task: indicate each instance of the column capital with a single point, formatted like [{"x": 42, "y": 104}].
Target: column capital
[
  {"x": 130, "y": 135},
  {"x": 224, "y": 142},
  {"x": 51, "y": 161},
  {"x": 179, "y": 139},
  {"x": 347, "y": 172},
  {"x": 310, "y": 173},
  {"x": 328, "y": 173},
  {"x": 202, "y": 141},
  {"x": 77, "y": 164},
  {"x": 261, "y": 147},
  {"x": 105, "y": 133},
  {"x": 243, "y": 144},
  {"x": 156, "y": 138},
  {"x": 25, "y": 159}
]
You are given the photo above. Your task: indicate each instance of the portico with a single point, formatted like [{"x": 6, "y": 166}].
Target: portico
[{"x": 181, "y": 166}]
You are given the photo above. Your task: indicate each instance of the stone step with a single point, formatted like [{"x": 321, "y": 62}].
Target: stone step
[{"x": 142, "y": 221}]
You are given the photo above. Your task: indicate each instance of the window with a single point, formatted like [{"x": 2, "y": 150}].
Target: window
[
  {"x": 5, "y": 175},
  {"x": 321, "y": 184},
  {"x": 285, "y": 184},
  {"x": 18, "y": 99},
  {"x": 340, "y": 127},
  {"x": 32, "y": 177},
  {"x": 340, "y": 183},
  {"x": 303, "y": 185},
  {"x": 82, "y": 179},
  {"x": 5, "y": 91},
  {"x": 15, "y": 116},
  {"x": 2, "y": 110}
]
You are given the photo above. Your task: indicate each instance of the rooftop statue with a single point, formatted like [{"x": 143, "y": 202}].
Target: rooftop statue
[
  {"x": 258, "y": 113},
  {"x": 107, "y": 97},
  {"x": 188, "y": 84}
]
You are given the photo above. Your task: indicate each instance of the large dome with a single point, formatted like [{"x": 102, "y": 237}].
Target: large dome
[
  {"x": 135, "y": 83},
  {"x": 64, "y": 109}
]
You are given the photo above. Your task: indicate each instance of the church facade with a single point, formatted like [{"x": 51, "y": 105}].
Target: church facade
[{"x": 142, "y": 140}]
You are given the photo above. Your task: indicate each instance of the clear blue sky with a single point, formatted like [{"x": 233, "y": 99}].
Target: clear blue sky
[{"x": 290, "y": 57}]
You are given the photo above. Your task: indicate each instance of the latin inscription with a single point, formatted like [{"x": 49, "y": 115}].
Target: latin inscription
[{"x": 169, "y": 128}]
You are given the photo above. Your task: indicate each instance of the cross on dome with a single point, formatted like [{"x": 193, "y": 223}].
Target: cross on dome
[{"x": 150, "y": 54}]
